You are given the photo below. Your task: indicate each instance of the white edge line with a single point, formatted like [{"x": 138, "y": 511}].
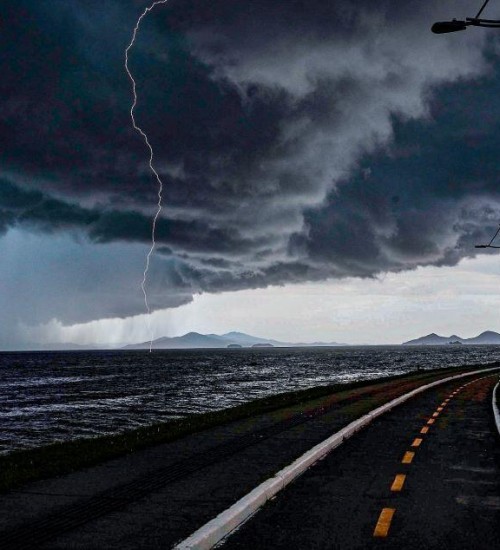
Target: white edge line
[
  {"x": 215, "y": 530},
  {"x": 494, "y": 403}
]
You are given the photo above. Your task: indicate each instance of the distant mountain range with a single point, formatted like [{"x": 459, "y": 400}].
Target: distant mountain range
[
  {"x": 485, "y": 338},
  {"x": 233, "y": 339}
]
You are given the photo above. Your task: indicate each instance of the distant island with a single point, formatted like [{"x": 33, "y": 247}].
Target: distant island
[
  {"x": 262, "y": 346},
  {"x": 230, "y": 340},
  {"x": 485, "y": 338}
]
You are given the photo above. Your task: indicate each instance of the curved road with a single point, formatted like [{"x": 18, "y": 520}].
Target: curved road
[
  {"x": 157, "y": 497},
  {"x": 425, "y": 475}
]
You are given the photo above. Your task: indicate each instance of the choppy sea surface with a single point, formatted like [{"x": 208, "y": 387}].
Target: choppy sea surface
[{"x": 56, "y": 396}]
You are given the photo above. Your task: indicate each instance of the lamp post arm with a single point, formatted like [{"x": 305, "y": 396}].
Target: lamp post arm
[
  {"x": 481, "y": 10},
  {"x": 489, "y": 23}
]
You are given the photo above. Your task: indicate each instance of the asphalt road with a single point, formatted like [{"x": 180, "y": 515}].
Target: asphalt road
[
  {"x": 157, "y": 497},
  {"x": 424, "y": 476}
]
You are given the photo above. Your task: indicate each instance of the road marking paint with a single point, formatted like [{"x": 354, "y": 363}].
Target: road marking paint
[
  {"x": 384, "y": 522},
  {"x": 435, "y": 414},
  {"x": 398, "y": 482},
  {"x": 430, "y": 421},
  {"x": 408, "y": 457},
  {"x": 221, "y": 526},
  {"x": 424, "y": 430},
  {"x": 416, "y": 442}
]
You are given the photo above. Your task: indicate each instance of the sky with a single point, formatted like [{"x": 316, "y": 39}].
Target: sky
[{"x": 328, "y": 168}]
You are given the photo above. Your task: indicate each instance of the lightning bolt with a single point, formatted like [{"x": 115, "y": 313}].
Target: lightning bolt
[{"x": 151, "y": 156}]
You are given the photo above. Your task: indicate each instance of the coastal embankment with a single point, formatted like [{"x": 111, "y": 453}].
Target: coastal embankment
[
  {"x": 157, "y": 485},
  {"x": 22, "y": 466}
]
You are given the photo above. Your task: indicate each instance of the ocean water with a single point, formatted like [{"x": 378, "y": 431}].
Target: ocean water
[{"x": 57, "y": 396}]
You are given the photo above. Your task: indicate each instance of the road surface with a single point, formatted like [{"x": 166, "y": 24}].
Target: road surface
[
  {"x": 159, "y": 496},
  {"x": 426, "y": 475}
]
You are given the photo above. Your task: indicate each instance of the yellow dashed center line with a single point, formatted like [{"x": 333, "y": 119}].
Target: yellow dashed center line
[
  {"x": 384, "y": 522},
  {"x": 408, "y": 457},
  {"x": 385, "y": 518},
  {"x": 398, "y": 482}
]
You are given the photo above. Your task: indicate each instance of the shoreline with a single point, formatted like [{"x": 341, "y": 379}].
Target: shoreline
[{"x": 20, "y": 467}]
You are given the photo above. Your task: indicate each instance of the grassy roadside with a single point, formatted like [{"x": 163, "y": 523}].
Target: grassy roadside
[{"x": 57, "y": 459}]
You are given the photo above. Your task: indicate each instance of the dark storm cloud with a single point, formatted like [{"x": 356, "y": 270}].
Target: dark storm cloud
[
  {"x": 296, "y": 141},
  {"x": 34, "y": 210},
  {"x": 427, "y": 201}
]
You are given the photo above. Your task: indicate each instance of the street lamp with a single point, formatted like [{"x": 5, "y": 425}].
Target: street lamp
[
  {"x": 489, "y": 245},
  {"x": 442, "y": 27}
]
